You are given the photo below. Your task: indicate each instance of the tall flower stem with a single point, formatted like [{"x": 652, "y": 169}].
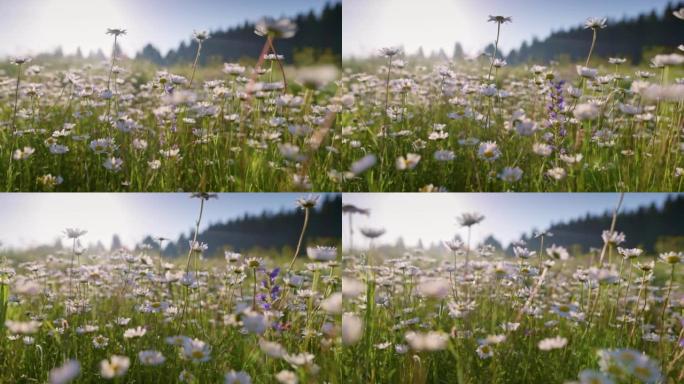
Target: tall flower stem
[
  {"x": 16, "y": 98},
  {"x": 591, "y": 50},
  {"x": 310, "y": 308},
  {"x": 496, "y": 49},
  {"x": 254, "y": 307},
  {"x": 389, "y": 72},
  {"x": 196, "y": 266},
  {"x": 612, "y": 226},
  {"x": 610, "y": 255},
  {"x": 194, "y": 64},
  {"x": 541, "y": 249},
  {"x": 280, "y": 64},
  {"x": 592, "y": 308},
  {"x": 161, "y": 260},
  {"x": 109, "y": 78},
  {"x": 532, "y": 296},
  {"x": 369, "y": 262},
  {"x": 71, "y": 267},
  {"x": 301, "y": 238},
  {"x": 467, "y": 258},
  {"x": 629, "y": 284},
  {"x": 111, "y": 67},
  {"x": 4, "y": 300},
  {"x": 384, "y": 126},
  {"x": 194, "y": 239},
  {"x": 619, "y": 289},
  {"x": 250, "y": 87},
  {"x": 667, "y": 298},
  {"x": 636, "y": 308},
  {"x": 351, "y": 235},
  {"x": 257, "y": 66}
]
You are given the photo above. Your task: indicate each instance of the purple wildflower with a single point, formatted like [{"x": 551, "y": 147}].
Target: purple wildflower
[
  {"x": 556, "y": 106},
  {"x": 266, "y": 300}
]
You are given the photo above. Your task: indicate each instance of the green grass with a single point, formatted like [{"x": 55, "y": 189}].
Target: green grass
[
  {"x": 619, "y": 152},
  {"x": 643, "y": 152},
  {"x": 239, "y": 153},
  {"x": 4, "y": 296},
  {"x": 210, "y": 313},
  {"x": 392, "y": 305},
  {"x": 262, "y": 317}
]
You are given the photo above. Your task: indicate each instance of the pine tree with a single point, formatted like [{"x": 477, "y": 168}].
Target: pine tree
[
  {"x": 458, "y": 52},
  {"x": 116, "y": 243}
]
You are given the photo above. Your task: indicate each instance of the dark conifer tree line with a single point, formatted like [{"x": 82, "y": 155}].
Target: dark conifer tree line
[
  {"x": 643, "y": 227},
  {"x": 318, "y": 34},
  {"x": 266, "y": 231},
  {"x": 628, "y": 38}
]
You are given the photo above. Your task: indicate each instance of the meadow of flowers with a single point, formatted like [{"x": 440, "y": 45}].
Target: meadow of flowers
[
  {"x": 137, "y": 317},
  {"x": 541, "y": 316},
  {"x": 124, "y": 125},
  {"x": 482, "y": 125}
]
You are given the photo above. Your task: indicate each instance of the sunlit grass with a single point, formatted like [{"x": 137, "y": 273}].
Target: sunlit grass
[
  {"x": 451, "y": 126},
  {"x": 463, "y": 315},
  {"x": 141, "y": 316},
  {"x": 125, "y": 125},
  {"x": 473, "y": 315}
]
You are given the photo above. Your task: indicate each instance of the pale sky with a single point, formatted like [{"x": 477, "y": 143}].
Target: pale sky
[
  {"x": 369, "y": 25},
  {"x": 34, "y": 26},
  {"x": 432, "y": 216},
  {"x": 30, "y": 219}
]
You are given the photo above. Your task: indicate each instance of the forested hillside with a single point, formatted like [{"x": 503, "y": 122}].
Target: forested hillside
[
  {"x": 267, "y": 231},
  {"x": 318, "y": 39},
  {"x": 649, "y": 227},
  {"x": 629, "y": 38}
]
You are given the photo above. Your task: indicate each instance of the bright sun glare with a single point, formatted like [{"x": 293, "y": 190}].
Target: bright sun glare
[
  {"x": 75, "y": 23},
  {"x": 102, "y": 214},
  {"x": 432, "y": 25}
]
